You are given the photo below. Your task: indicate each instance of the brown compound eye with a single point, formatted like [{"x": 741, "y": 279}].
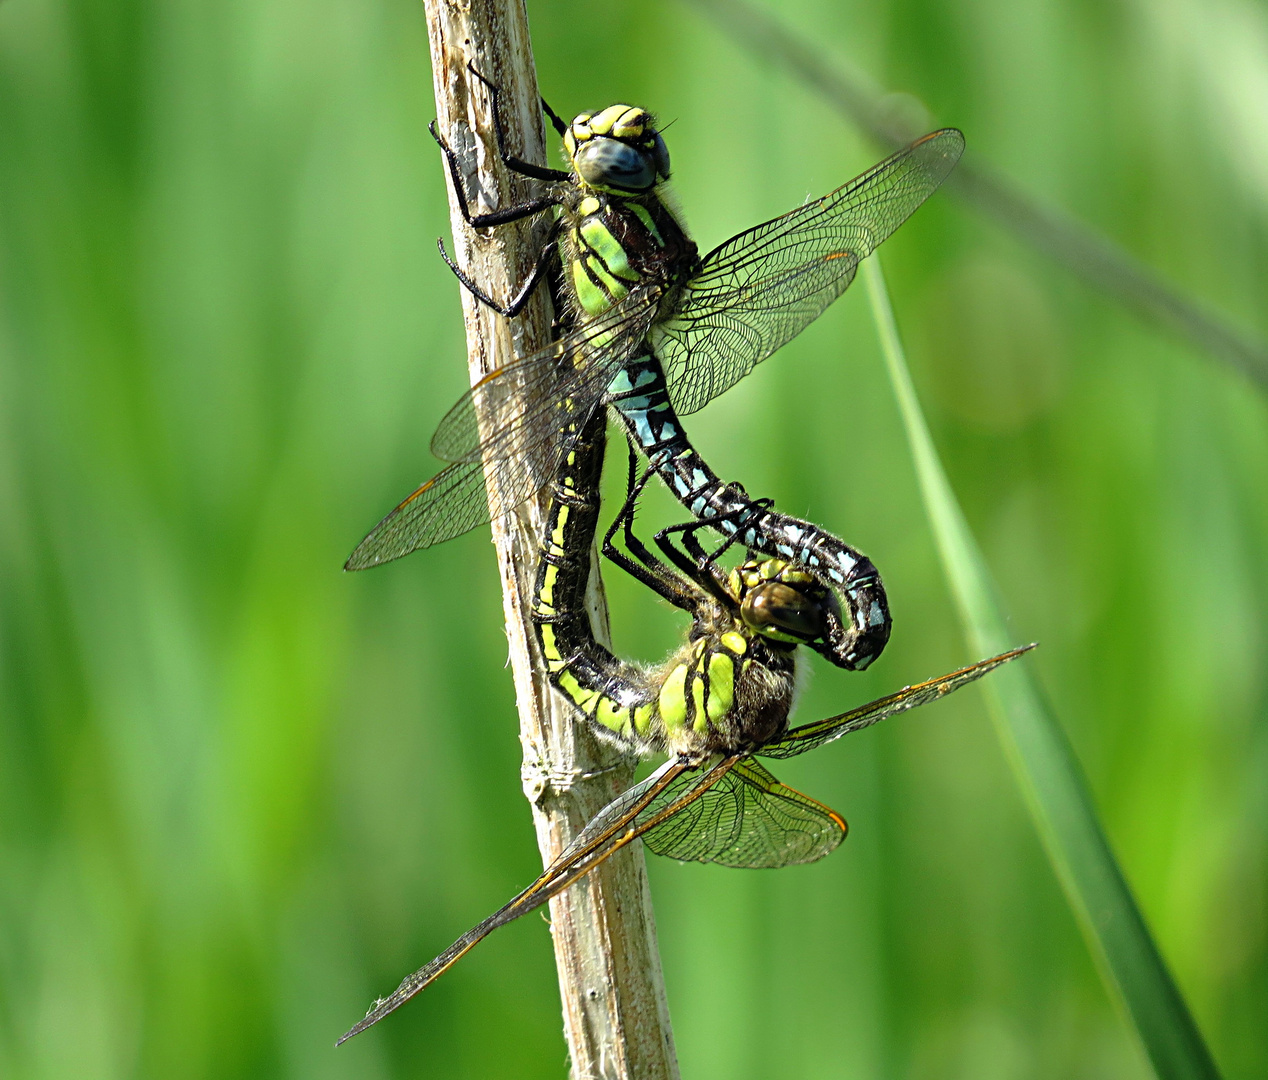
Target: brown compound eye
[{"x": 781, "y": 612}]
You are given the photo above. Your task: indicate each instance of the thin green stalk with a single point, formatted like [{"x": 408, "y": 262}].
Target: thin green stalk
[
  {"x": 1044, "y": 763},
  {"x": 1091, "y": 255}
]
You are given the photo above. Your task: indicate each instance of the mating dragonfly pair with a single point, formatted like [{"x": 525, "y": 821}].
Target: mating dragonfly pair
[{"x": 651, "y": 331}]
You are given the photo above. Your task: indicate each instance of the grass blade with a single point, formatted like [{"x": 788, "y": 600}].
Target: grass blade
[
  {"x": 1044, "y": 763},
  {"x": 1103, "y": 264}
]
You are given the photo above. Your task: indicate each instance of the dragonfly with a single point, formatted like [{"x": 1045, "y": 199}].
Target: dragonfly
[
  {"x": 655, "y": 331},
  {"x": 714, "y": 707}
]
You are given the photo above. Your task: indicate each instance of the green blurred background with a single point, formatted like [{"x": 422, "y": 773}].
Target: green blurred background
[{"x": 241, "y": 792}]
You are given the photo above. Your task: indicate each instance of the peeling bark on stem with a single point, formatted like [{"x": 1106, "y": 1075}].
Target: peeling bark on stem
[{"x": 615, "y": 1017}]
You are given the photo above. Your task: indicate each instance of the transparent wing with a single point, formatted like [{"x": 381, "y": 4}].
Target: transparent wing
[
  {"x": 453, "y": 502},
  {"x": 733, "y": 812},
  {"x": 761, "y": 288},
  {"x": 491, "y": 419},
  {"x": 622, "y": 820},
  {"x": 510, "y": 427},
  {"x": 639, "y": 807},
  {"x": 748, "y": 819},
  {"x": 808, "y": 736}
]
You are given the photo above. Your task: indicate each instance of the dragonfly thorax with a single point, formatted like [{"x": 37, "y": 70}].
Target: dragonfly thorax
[
  {"x": 730, "y": 688},
  {"x": 618, "y": 149}
]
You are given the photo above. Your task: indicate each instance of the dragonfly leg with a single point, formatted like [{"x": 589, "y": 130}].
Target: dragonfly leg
[
  {"x": 561, "y": 128},
  {"x": 494, "y": 217},
  {"x": 692, "y": 559},
  {"x": 516, "y": 304},
  {"x": 524, "y": 168},
  {"x": 737, "y": 516},
  {"x": 648, "y": 570},
  {"x": 699, "y": 570}
]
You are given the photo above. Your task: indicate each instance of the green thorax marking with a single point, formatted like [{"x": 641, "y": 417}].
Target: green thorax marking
[{"x": 614, "y": 243}]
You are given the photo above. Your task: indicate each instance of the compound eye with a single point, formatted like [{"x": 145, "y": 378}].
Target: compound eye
[
  {"x": 609, "y": 163},
  {"x": 660, "y": 153},
  {"x": 781, "y": 612}
]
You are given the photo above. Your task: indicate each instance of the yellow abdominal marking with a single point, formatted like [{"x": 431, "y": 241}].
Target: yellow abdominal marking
[
  {"x": 611, "y": 715},
  {"x": 546, "y": 594}
]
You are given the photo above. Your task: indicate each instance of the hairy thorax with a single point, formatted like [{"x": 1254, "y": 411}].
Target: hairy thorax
[
  {"x": 727, "y": 689},
  {"x": 614, "y": 244}
]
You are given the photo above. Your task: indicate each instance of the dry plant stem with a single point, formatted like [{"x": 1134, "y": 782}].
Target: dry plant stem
[{"x": 615, "y": 1017}]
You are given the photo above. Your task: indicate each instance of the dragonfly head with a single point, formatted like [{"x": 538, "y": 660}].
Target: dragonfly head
[
  {"x": 618, "y": 149},
  {"x": 784, "y": 604}
]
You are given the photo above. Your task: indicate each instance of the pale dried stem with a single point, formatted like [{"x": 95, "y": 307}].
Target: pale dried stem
[{"x": 615, "y": 1018}]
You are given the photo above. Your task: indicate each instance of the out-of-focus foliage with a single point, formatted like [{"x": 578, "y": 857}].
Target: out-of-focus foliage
[{"x": 241, "y": 793}]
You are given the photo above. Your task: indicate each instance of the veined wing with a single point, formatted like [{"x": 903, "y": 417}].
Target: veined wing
[
  {"x": 451, "y": 503},
  {"x": 510, "y": 428},
  {"x": 491, "y": 417},
  {"x": 809, "y": 736},
  {"x": 749, "y": 819},
  {"x": 645, "y": 805},
  {"x": 642, "y": 807},
  {"x": 761, "y": 288}
]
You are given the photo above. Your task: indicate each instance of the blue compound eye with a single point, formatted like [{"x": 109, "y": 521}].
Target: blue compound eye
[
  {"x": 610, "y": 163},
  {"x": 661, "y": 153}
]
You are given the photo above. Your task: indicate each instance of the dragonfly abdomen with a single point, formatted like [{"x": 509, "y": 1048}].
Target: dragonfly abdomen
[
  {"x": 725, "y": 688},
  {"x": 641, "y": 398},
  {"x": 610, "y": 692}
]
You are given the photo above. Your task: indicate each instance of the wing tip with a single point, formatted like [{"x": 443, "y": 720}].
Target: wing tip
[
  {"x": 362, "y": 559},
  {"x": 950, "y": 134},
  {"x": 952, "y": 681},
  {"x": 360, "y": 1026},
  {"x": 1012, "y": 654}
]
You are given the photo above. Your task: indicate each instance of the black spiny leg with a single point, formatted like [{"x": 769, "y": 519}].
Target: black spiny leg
[
  {"x": 561, "y": 129},
  {"x": 495, "y": 217},
  {"x": 689, "y": 529},
  {"x": 524, "y": 168},
  {"x": 505, "y": 216},
  {"x": 517, "y": 302},
  {"x": 693, "y": 560},
  {"x": 652, "y": 573}
]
